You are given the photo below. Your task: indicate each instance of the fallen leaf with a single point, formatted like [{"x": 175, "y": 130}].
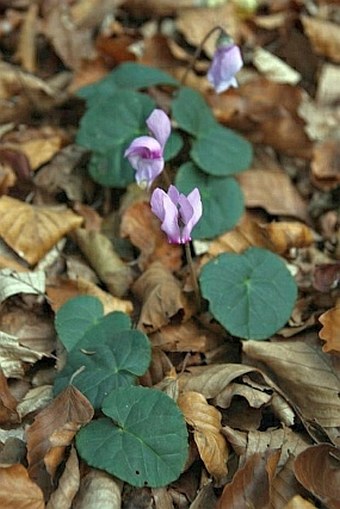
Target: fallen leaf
[
  {"x": 273, "y": 68},
  {"x": 17, "y": 490},
  {"x": 287, "y": 235},
  {"x": 330, "y": 331},
  {"x": 8, "y": 404},
  {"x": 68, "y": 484},
  {"x": 26, "y": 50},
  {"x": 285, "y": 486},
  {"x": 318, "y": 470},
  {"x": 162, "y": 298},
  {"x": 12, "y": 283},
  {"x": 256, "y": 398},
  {"x": 111, "y": 269},
  {"x": 31, "y": 231},
  {"x": 52, "y": 431},
  {"x": 35, "y": 399},
  {"x": 185, "y": 337},
  {"x": 298, "y": 502},
  {"x": 325, "y": 165},
  {"x": 321, "y": 122},
  {"x": 251, "y": 484},
  {"x": 306, "y": 375},
  {"x": 98, "y": 489},
  {"x": 328, "y": 91},
  {"x": 324, "y": 36},
  {"x": 326, "y": 277},
  {"x": 14, "y": 356},
  {"x": 206, "y": 423},
  {"x": 62, "y": 290},
  {"x": 142, "y": 227}
]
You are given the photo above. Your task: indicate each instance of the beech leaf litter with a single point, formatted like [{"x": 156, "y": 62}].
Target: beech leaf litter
[{"x": 239, "y": 407}]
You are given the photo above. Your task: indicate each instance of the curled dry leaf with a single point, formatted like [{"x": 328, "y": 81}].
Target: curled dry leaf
[
  {"x": 318, "y": 470},
  {"x": 324, "y": 36},
  {"x": 111, "y": 269},
  {"x": 61, "y": 290},
  {"x": 31, "y": 231},
  {"x": 14, "y": 356},
  {"x": 330, "y": 331},
  {"x": 17, "y": 490},
  {"x": 206, "y": 423},
  {"x": 68, "y": 484},
  {"x": 251, "y": 484},
  {"x": 52, "y": 431},
  {"x": 98, "y": 489},
  {"x": 8, "y": 404},
  {"x": 304, "y": 373},
  {"x": 143, "y": 229},
  {"x": 162, "y": 298},
  {"x": 255, "y": 397},
  {"x": 186, "y": 337}
]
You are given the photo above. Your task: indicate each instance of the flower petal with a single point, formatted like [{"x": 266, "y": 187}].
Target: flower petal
[
  {"x": 173, "y": 193},
  {"x": 159, "y": 125},
  {"x": 145, "y": 147},
  {"x": 227, "y": 61},
  {"x": 147, "y": 170},
  {"x": 190, "y": 212},
  {"x": 167, "y": 212}
]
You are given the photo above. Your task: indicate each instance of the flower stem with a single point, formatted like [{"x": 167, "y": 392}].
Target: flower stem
[
  {"x": 198, "y": 51},
  {"x": 193, "y": 275}
]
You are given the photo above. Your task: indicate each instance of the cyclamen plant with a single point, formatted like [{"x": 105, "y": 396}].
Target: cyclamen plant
[{"x": 145, "y": 153}]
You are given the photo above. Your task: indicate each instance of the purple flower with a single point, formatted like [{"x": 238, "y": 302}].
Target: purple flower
[
  {"x": 227, "y": 61},
  {"x": 178, "y": 213},
  {"x": 145, "y": 153}
]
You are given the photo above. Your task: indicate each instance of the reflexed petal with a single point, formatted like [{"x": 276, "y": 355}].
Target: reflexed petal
[
  {"x": 157, "y": 203},
  {"x": 194, "y": 201},
  {"x": 167, "y": 212},
  {"x": 147, "y": 170},
  {"x": 173, "y": 193},
  {"x": 144, "y": 146},
  {"x": 159, "y": 125}
]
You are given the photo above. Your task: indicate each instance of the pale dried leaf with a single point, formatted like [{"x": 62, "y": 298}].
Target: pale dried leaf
[
  {"x": 307, "y": 376},
  {"x": 285, "y": 486},
  {"x": 12, "y": 283},
  {"x": 298, "y": 502},
  {"x": 322, "y": 122},
  {"x": 31, "y": 231},
  {"x": 274, "y": 68},
  {"x": 26, "y": 51},
  {"x": 13, "y": 356},
  {"x": 17, "y": 490},
  {"x": 328, "y": 92},
  {"x": 330, "y": 331},
  {"x": 98, "y": 490},
  {"x": 324, "y": 36},
  {"x": 325, "y": 165},
  {"x": 206, "y": 423},
  {"x": 256, "y": 398},
  {"x": 68, "y": 484},
  {"x": 35, "y": 399}
]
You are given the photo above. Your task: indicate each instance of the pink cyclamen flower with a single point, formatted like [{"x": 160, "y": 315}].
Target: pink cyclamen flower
[
  {"x": 178, "y": 213},
  {"x": 227, "y": 61},
  {"x": 145, "y": 153}
]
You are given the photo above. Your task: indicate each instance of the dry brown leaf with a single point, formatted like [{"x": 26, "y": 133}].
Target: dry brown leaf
[
  {"x": 68, "y": 484},
  {"x": 324, "y": 36},
  {"x": 267, "y": 113},
  {"x": 298, "y": 502},
  {"x": 98, "y": 490},
  {"x": 251, "y": 484},
  {"x": 321, "y": 122},
  {"x": 318, "y": 470},
  {"x": 325, "y": 165},
  {"x": 255, "y": 397},
  {"x": 61, "y": 290},
  {"x": 143, "y": 229},
  {"x": 17, "y": 490},
  {"x": 32, "y": 231},
  {"x": 272, "y": 190},
  {"x": 52, "y": 431},
  {"x": 273, "y": 68},
  {"x": 35, "y": 399},
  {"x": 162, "y": 298},
  {"x": 206, "y": 423},
  {"x": 8, "y": 404},
  {"x": 307, "y": 376},
  {"x": 26, "y": 51},
  {"x": 185, "y": 337},
  {"x": 328, "y": 93},
  {"x": 287, "y": 235},
  {"x": 7, "y": 176},
  {"x": 99, "y": 251},
  {"x": 158, "y": 7},
  {"x": 285, "y": 486},
  {"x": 330, "y": 331},
  {"x": 37, "y": 150}
]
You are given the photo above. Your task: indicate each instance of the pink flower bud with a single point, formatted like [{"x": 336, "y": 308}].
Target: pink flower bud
[{"x": 227, "y": 61}]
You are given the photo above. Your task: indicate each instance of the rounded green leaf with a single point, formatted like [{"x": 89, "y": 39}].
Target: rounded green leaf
[
  {"x": 251, "y": 294},
  {"x": 222, "y": 200},
  {"x": 191, "y": 112},
  {"x": 220, "y": 151},
  {"x": 145, "y": 443},
  {"x": 107, "y": 128},
  {"x": 75, "y": 317},
  {"x": 173, "y": 145},
  {"x": 108, "y": 360}
]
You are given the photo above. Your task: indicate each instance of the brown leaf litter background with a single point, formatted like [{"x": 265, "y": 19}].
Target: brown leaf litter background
[{"x": 263, "y": 417}]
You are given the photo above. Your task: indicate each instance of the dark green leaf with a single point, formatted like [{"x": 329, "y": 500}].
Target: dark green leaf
[
  {"x": 251, "y": 294},
  {"x": 191, "y": 112},
  {"x": 222, "y": 200},
  {"x": 220, "y": 151},
  {"x": 109, "y": 360},
  {"x": 145, "y": 443},
  {"x": 173, "y": 146}
]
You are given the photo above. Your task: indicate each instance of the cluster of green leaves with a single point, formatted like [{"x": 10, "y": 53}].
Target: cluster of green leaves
[
  {"x": 116, "y": 114},
  {"x": 141, "y": 435}
]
